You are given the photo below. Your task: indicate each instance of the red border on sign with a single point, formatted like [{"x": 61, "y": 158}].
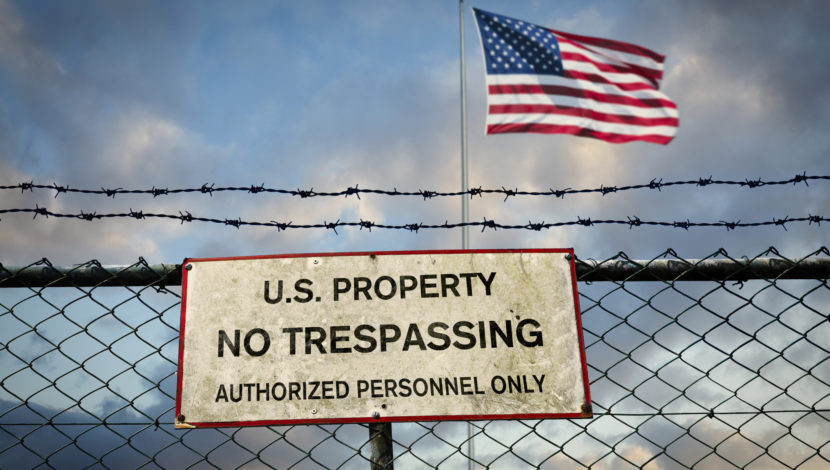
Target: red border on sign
[{"x": 386, "y": 419}]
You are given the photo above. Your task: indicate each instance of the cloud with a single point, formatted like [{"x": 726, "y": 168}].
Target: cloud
[
  {"x": 104, "y": 94},
  {"x": 142, "y": 148},
  {"x": 19, "y": 49},
  {"x": 392, "y": 128}
]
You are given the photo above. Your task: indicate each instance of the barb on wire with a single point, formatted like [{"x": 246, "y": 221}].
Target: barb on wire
[
  {"x": 427, "y": 194},
  {"x": 353, "y": 191},
  {"x": 209, "y": 189},
  {"x": 109, "y": 192},
  {"x": 88, "y": 216},
  {"x": 754, "y": 183},
  {"x": 160, "y": 191},
  {"x": 706, "y": 181},
  {"x": 730, "y": 225},
  {"x": 59, "y": 189},
  {"x": 332, "y": 226},
  {"x": 233, "y": 222},
  {"x": 684, "y": 225},
  {"x": 654, "y": 184},
  {"x": 40, "y": 211},
  {"x": 535, "y": 226},
  {"x": 281, "y": 225},
  {"x": 488, "y": 224},
  {"x": 630, "y": 221},
  {"x": 783, "y": 222}
]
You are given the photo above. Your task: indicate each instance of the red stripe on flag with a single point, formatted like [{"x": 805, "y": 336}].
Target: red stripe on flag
[
  {"x": 649, "y": 74},
  {"x": 579, "y": 93},
  {"x": 594, "y": 78},
  {"x": 581, "y": 112},
  {"x": 613, "y": 45},
  {"x": 575, "y": 130}
]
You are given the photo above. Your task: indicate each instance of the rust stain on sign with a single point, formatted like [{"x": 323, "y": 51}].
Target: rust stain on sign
[{"x": 381, "y": 337}]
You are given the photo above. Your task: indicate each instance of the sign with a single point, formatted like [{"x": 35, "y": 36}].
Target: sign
[{"x": 392, "y": 336}]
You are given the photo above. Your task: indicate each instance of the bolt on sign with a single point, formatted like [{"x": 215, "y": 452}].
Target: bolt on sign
[{"x": 388, "y": 336}]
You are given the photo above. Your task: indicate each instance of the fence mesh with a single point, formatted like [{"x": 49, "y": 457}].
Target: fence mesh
[{"x": 730, "y": 370}]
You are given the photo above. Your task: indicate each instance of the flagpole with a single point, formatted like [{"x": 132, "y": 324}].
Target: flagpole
[{"x": 465, "y": 210}]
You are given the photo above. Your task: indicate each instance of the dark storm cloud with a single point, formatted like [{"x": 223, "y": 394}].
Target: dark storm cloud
[
  {"x": 121, "y": 50},
  {"x": 77, "y": 75},
  {"x": 780, "y": 46}
]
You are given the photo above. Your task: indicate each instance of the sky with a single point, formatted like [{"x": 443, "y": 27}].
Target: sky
[{"x": 327, "y": 95}]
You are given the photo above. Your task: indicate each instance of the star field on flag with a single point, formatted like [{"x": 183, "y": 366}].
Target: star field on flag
[{"x": 545, "y": 81}]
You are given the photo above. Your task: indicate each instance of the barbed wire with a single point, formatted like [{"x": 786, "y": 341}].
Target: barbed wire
[
  {"x": 631, "y": 222},
  {"x": 209, "y": 189}
]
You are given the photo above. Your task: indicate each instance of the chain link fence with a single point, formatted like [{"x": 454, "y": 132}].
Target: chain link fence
[{"x": 718, "y": 362}]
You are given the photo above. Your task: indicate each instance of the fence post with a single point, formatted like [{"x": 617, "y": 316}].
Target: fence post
[{"x": 380, "y": 441}]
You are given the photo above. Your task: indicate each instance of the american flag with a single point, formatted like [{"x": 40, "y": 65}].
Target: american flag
[{"x": 545, "y": 81}]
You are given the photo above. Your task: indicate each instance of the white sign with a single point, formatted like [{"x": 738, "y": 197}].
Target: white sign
[{"x": 364, "y": 337}]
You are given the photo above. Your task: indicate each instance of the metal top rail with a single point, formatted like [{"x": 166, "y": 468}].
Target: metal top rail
[{"x": 92, "y": 274}]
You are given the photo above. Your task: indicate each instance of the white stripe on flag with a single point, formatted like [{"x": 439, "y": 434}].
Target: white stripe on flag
[
  {"x": 611, "y": 56},
  {"x": 569, "y": 82},
  {"x": 601, "y": 126}
]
